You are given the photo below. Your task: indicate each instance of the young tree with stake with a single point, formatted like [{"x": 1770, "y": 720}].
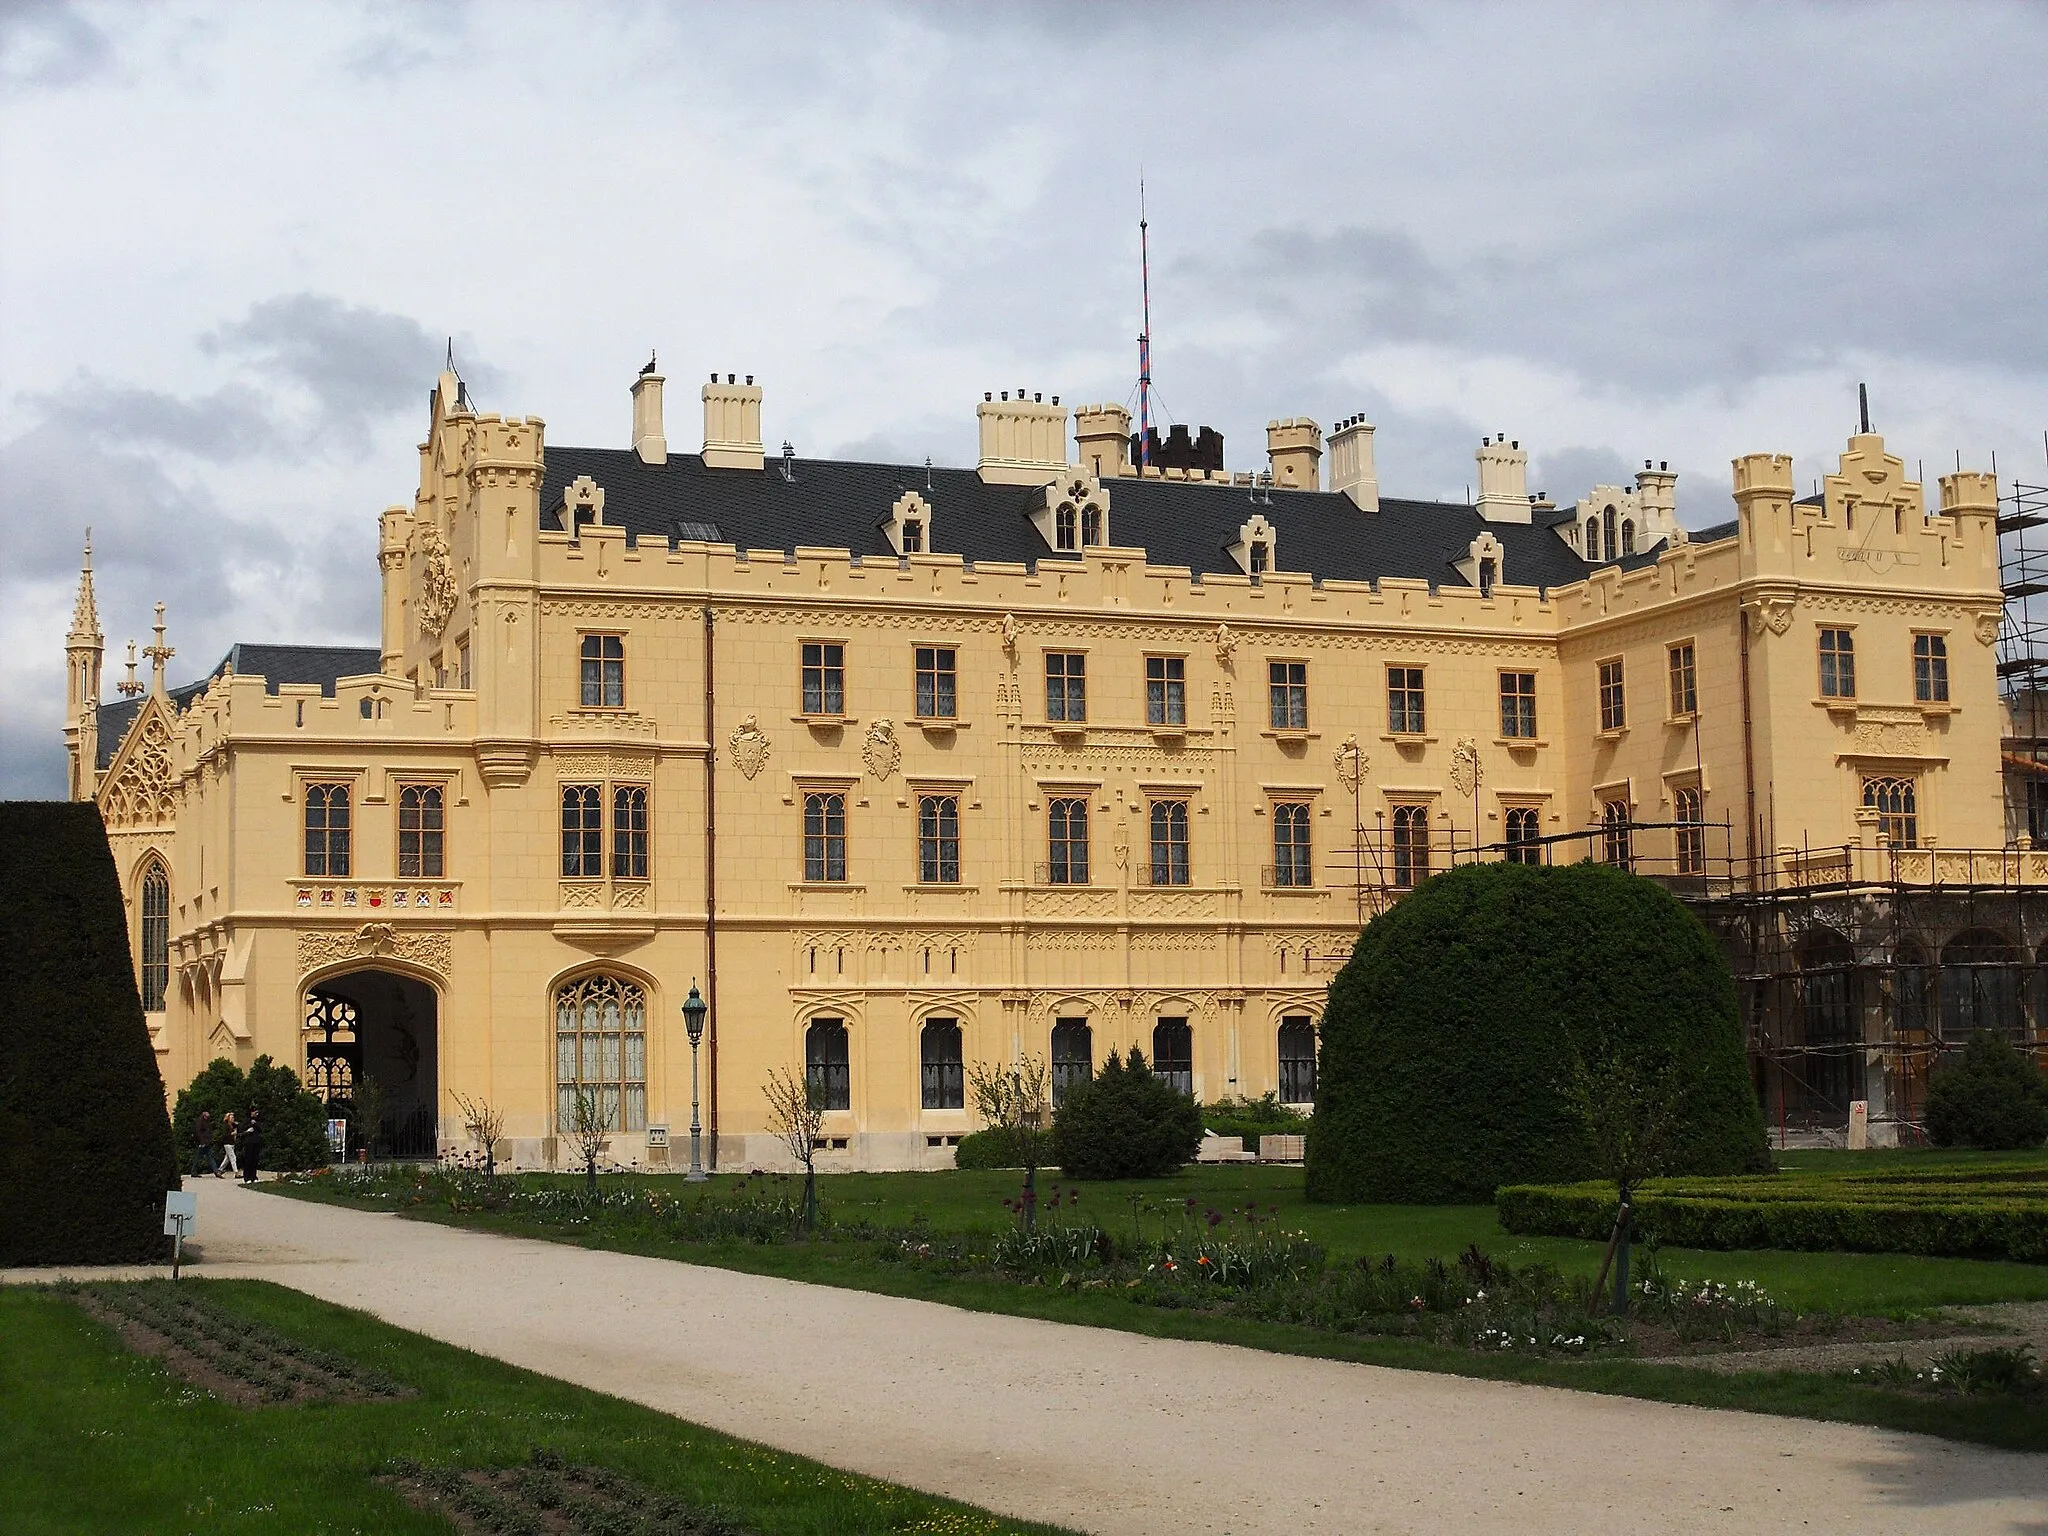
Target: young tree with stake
[
  {"x": 1011, "y": 1098},
  {"x": 796, "y": 1113}
]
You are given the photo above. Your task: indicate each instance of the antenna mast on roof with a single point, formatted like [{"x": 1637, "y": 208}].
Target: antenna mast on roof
[{"x": 1144, "y": 335}]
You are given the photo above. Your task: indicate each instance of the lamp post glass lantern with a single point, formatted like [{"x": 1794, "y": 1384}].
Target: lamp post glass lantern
[{"x": 694, "y": 1009}]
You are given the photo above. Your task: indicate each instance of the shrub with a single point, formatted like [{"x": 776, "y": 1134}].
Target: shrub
[
  {"x": 1988, "y": 1095},
  {"x": 1125, "y": 1123},
  {"x": 85, "y": 1143},
  {"x": 1449, "y": 1037},
  {"x": 997, "y": 1147},
  {"x": 293, "y": 1119},
  {"x": 1250, "y": 1119}
]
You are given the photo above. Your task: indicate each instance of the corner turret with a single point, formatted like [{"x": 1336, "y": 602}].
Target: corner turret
[{"x": 84, "y": 648}]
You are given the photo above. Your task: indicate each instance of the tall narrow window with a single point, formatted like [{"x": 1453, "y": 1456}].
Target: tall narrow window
[
  {"x": 1068, "y": 820},
  {"x": 1614, "y": 833},
  {"x": 938, "y": 1049},
  {"x": 1066, "y": 686},
  {"x": 1692, "y": 836},
  {"x": 327, "y": 830},
  {"x": 913, "y": 536},
  {"x": 604, "y": 672},
  {"x": 1169, "y": 842},
  {"x": 1166, "y": 690},
  {"x": 1685, "y": 692},
  {"x": 1297, "y": 1060},
  {"x": 824, "y": 678},
  {"x": 1518, "y": 705},
  {"x": 629, "y": 832},
  {"x": 1613, "y": 697},
  {"x": 1287, "y": 691},
  {"x": 938, "y": 839},
  {"x": 462, "y": 665},
  {"x": 601, "y": 1051},
  {"x": 582, "y": 832},
  {"x": 1592, "y": 538},
  {"x": 1523, "y": 847},
  {"x": 1260, "y": 556},
  {"x": 1930, "y": 669},
  {"x": 1404, "y": 701},
  {"x": 827, "y": 1068},
  {"x": 156, "y": 937},
  {"x": 1073, "y": 1057},
  {"x": 1837, "y": 664},
  {"x": 1173, "y": 1055},
  {"x": 1065, "y": 528},
  {"x": 1610, "y": 540},
  {"x": 1411, "y": 845},
  {"x": 937, "y": 694},
  {"x": 1091, "y": 525},
  {"x": 1486, "y": 570},
  {"x": 1628, "y": 536},
  {"x": 1290, "y": 846},
  {"x": 422, "y": 832},
  {"x": 1898, "y": 810},
  {"x": 2037, "y": 820},
  {"x": 825, "y": 836}
]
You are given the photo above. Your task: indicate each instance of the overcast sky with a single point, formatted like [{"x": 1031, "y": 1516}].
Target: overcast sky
[{"x": 234, "y": 240}]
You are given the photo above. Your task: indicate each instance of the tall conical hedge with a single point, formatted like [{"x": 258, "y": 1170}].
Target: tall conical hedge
[
  {"x": 85, "y": 1140},
  {"x": 1448, "y": 1041}
]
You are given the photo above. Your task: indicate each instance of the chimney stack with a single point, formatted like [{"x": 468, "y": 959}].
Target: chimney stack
[
  {"x": 732, "y": 424},
  {"x": 1023, "y": 442},
  {"x": 1294, "y": 449},
  {"x": 1503, "y": 481},
  {"x": 648, "y": 441},
  {"x": 1351, "y": 465}
]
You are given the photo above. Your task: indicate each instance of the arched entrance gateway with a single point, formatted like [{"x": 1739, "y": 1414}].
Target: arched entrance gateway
[{"x": 378, "y": 1025}]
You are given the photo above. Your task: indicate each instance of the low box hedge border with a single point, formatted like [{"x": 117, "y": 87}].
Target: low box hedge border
[{"x": 1805, "y": 1216}]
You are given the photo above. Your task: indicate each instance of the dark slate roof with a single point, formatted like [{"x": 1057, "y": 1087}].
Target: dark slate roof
[
  {"x": 840, "y": 505},
  {"x": 275, "y": 664},
  {"x": 1719, "y": 531}
]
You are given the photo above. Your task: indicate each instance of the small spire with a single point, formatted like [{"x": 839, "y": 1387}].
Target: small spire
[
  {"x": 129, "y": 686},
  {"x": 159, "y": 654},
  {"x": 85, "y": 615}
]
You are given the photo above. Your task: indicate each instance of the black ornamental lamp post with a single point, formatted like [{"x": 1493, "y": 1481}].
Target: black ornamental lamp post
[{"x": 694, "y": 1009}]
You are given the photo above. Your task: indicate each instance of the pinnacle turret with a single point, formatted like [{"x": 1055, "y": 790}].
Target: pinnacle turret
[{"x": 85, "y": 614}]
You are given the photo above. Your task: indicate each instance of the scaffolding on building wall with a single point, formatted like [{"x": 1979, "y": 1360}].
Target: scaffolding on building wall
[{"x": 2023, "y": 655}]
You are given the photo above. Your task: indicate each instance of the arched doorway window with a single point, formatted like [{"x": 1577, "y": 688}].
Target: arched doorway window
[
  {"x": 1173, "y": 1055},
  {"x": 371, "y": 1049},
  {"x": 942, "y": 1070},
  {"x": 155, "y": 936},
  {"x": 1073, "y": 1057},
  {"x": 601, "y": 1050},
  {"x": 1298, "y": 1060},
  {"x": 1980, "y": 976},
  {"x": 1825, "y": 1065},
  {"x": 828, "y": 1067}
]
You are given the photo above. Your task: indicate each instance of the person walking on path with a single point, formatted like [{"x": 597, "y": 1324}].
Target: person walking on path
[
  {"x": 252, "y": 1148},
  {"x": 229, "y": 1133},
  {"x": 202, "y": 1144}
]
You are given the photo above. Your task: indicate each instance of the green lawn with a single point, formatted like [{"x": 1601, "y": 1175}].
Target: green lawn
[{"x": 93, "y": 1438}]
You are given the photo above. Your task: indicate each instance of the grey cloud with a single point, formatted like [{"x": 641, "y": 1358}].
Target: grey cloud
[
  {"x": 49, "y": 43},
  {"x": 1568, "y": 473},
  {"x": 404, "y": 38},
  {"x": 234, "y": 422}
]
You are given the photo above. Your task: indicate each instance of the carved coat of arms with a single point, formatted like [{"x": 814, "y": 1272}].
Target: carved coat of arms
[
  {"x": 882, "y": 751},
  {"x": 750, "y": 747}
]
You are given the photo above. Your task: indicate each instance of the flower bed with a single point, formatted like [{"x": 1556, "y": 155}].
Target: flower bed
[{"x": 1986, "y": 1211}]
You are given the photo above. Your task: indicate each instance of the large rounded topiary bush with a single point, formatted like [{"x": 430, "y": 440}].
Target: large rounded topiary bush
[
  {"x": 1988, "y": 1095},
  {"x": 1449, "y": 1042}
]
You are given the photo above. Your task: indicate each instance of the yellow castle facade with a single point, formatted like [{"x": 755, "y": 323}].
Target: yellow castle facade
[{"x": 1095, "y": 744}]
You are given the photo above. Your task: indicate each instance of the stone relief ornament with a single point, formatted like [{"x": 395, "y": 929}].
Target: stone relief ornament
[
  {"x": 1351, "y": 760},
  {"x": 432, "y": 951},
  {"x": 1010, "y": 635},
  {"x": 1466, "y": 772},
  {"x": 882, "y": 751},
  {"x": 1226, "y": 647},
  {"x": 1987, "y": 628},
  {"x": 1773, "y": 613},
  {"x": 437, "y": 581},
  {"x": 750, "y": 747}
]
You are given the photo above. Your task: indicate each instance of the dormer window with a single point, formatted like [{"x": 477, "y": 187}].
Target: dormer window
[
  {"x": 1255, "y": 546},
  {"x": 1487, "y": 567},
  {"x": 913, "y": 536},
  {"x": 1091, "y": 524},
  {"x": 582, "y": 506},
  {"x": 909, "y": 524},
  {"x": 1261, "y": 557},
  {"x": 1074, "y": 515}
]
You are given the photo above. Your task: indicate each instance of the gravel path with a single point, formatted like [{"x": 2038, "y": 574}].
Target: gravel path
[{"x": 1105, "y": 1431}]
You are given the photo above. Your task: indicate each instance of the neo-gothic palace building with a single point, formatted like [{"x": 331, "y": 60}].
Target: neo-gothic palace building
[{"x": 908, "y": 768}]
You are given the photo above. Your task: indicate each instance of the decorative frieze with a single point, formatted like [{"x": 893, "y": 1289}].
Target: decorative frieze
[{"x": 429, "y": 949}]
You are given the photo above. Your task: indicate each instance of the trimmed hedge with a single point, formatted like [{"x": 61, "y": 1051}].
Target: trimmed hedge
[
  {"x": 292, "y": 1118},
  {"x": 1125, "y": 1123},
  {"x": 999, "y": 1147},
  {"x": 85, "y": 1143},
  {"x": 1988, "y": 1095},
  {"x": 2003, "y": 1216},
  {"x": 1447, "y": 1042}
]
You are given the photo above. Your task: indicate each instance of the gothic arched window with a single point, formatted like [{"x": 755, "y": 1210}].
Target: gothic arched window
[
  {"x": 1592, "y": 538},
  {"x": 155, "y": 936},
  {"x": 601, "y": 1050}
]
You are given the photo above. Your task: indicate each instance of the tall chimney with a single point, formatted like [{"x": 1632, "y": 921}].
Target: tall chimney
[
  {"x": 732, "y": 424},
  {"x": 1294, "y": 449},
  {"x": 1102, "y": 434},
  {"x": 1351, "y": 465},
  {"x": 648, "y": 440},
  {"x": 1023, "y": 442},
  {"x": 1503, "y": 481}
]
